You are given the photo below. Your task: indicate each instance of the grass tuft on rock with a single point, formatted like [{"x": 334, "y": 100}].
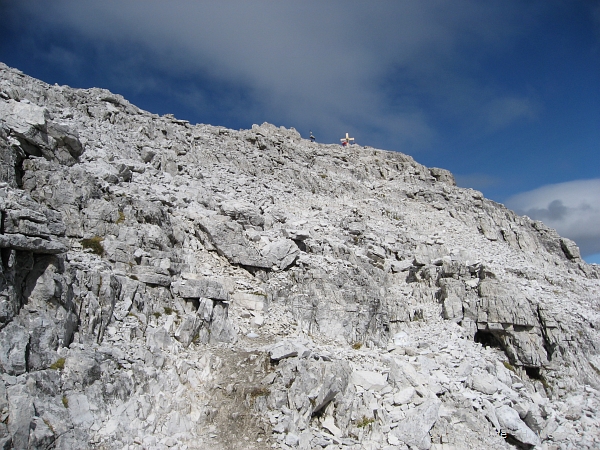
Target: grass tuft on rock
[
  {"x": 509, "y": 366},
  {"x": 364, "y": 421},
  {"x": 94, "y": 244},
  {"x": 59, "y": 364}
]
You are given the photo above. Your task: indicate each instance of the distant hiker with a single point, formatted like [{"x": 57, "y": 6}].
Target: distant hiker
[{"x": 312, "y": 138}]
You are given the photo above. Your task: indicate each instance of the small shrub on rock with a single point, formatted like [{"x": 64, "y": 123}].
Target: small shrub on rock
[
  {"x": 94, "y": 244},
  {"x": 365, "y": 421}
]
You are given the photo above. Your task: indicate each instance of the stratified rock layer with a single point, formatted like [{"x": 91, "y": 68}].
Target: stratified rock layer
[{"x": 167, "y": 285}]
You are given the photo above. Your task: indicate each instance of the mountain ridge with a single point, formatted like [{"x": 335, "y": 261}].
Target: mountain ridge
[{"x": 142, "y": 255}]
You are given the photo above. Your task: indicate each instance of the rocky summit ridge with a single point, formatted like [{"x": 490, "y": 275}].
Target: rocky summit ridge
[{"x": 168, "y": 285}]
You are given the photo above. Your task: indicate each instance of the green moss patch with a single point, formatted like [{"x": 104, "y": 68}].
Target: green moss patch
[{"x": 59, "y": 364}]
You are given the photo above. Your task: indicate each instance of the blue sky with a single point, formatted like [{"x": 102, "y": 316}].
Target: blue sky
[{"x": 505, "y": 94}]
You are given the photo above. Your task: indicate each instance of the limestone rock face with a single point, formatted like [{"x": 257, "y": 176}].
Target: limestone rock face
[
  {"x": 198, "y": 288},
  {"x": 282, "y": 253},
  {"x": 510, "y": 421},
  {"x": 227, "y": 238},
  {"x": 243, "y": 212},
  {"x": 14, "y": 340},
  {"x": 169, "y": 285},
  {"x": 414, "y": 429}
]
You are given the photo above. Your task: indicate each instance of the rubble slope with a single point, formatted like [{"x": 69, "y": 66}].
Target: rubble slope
[{"x": 168, "y": 285}]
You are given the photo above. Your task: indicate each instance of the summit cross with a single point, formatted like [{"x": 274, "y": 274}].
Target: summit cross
[{"x": 346, "y": 140}]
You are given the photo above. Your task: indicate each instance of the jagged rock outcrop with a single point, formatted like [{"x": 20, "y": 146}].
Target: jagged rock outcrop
[{"x": 168, "y": 285}]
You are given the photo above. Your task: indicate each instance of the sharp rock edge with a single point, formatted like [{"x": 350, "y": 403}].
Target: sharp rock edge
[{"x": 168, "y": 285}]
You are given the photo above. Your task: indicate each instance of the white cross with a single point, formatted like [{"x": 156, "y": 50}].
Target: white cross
[{"x": 347, "y": 139}]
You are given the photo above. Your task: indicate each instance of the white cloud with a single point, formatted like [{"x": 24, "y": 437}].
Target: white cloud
[
  {"x": 324, "y": 65},
  {"x": 572, "y": 208}
]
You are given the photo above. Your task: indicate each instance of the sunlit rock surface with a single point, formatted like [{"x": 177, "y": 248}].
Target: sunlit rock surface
[{"x": 168, "y": 285}]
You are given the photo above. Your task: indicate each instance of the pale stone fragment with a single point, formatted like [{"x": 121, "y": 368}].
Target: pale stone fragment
[{"x": 369, "y": 380}]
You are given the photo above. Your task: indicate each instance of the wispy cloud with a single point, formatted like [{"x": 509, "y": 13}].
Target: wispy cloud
[
  {"x": 63, "y": 57},
  {"x": 572, "y": 208},
  {"x": 501, "y": 112},
  {"x": 329, "y": 66}
]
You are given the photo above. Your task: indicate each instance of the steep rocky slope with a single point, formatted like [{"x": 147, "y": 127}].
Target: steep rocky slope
[{"x": 168, "y": 285}]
